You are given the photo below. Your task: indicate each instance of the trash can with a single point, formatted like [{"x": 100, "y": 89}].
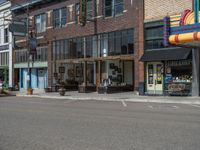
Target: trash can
[
  {"x": 1, "y": 88},
  {"x": 141, "y": 88}
]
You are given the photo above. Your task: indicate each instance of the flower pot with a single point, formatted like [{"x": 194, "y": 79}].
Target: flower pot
[
  {"x": 30, "y": 91},
  {"x": 62, "y": 91}
]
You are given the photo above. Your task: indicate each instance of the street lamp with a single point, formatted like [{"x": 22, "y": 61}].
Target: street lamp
[
  {"x": 13, "y": 28},
  {"x": 29, "y": 89}
]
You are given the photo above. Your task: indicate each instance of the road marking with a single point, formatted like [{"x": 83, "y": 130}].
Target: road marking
[
  {"x": 195, "y": 105},
  {"x": 150, "y": 106},
  {"x": 162, "y": 107},
  {"x": 176, "y": 107},
  {"x": 69, "y": 101},
  {"x": 123, "y": 103}
]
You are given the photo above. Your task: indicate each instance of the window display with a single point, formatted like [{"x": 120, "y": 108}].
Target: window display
[{"x": 178, "y": 77}]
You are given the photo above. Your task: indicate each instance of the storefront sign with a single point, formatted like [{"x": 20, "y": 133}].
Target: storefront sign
[
  {"x": 179, "y": 63},
  {"x": 168, "y": 78},
  {"x": 4, "y": 47},
  {"x": 176, "y": 87}
]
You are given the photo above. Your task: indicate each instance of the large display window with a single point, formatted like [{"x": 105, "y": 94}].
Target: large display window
[{"x": 178, "y": 77}]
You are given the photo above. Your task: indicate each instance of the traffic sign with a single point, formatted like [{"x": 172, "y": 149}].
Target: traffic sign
[{"x": 18, "y": 28}]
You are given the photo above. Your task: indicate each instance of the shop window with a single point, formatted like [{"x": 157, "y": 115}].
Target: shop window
[
  {"x": 150, "y": 74},
  {"x": 104, "y": 45},
  {"x": 130, "y": 40},
  {"x": 89, "y": 45},
  {"x": 72, "y": 48},
  {"x": 159, "y": 71},
  {"x": 60, "y": 17},
  {"x": 111, "y": 44},
  {"x": 66, "y": 49},
  {"x": 118, "y": 45},
  {"x": 80, "y": 49}
]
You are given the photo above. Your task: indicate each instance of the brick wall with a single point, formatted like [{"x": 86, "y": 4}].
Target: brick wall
[
  {"x": 157, "y": 9},
  {"x": 133, "y": 12}
]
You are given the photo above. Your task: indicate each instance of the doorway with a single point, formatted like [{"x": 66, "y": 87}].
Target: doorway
[{"x": 154, "y": 77}]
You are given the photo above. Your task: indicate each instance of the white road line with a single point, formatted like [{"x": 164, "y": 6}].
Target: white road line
[
  {"x": 195, "y": 105},
  {"x": 150, "y": 106},
  {"x": 123, "y": 103},
  {"x": 176, "y": 107},
  {"x": 69, "y": 101}
]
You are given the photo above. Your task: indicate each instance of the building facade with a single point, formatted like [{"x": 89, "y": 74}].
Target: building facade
[
  {"x": 168, "y": 69},
  {"x": 183, "y": 30},
  {"x": 5, "y": 45},
  {"x": 104, "y": 51}
]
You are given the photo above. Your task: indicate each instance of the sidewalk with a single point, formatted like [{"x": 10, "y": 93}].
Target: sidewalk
[{"x": 126, "y": 96}]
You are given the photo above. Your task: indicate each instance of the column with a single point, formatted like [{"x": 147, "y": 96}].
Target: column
[{"x": 195, "y": 72}]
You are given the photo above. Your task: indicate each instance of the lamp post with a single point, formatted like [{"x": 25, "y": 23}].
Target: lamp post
[{"x": 29, "y": 89}]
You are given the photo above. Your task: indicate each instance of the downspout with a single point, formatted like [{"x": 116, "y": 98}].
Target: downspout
[{"x": 196, "y": 11}]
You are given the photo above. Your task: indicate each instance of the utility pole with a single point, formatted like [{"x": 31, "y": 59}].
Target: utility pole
[{"x": 29, "y": 89}]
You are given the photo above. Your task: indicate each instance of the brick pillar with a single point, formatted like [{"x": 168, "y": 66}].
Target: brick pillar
[
  {"x": 139, "y": 48},
  {"x": 49, "y": 61}
]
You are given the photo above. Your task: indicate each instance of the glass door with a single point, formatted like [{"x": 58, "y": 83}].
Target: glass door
[{"x": 154, "y": 72}]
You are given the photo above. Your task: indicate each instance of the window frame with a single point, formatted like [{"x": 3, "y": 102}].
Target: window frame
[
  {"x": 112, "y": 8},
  {"x": 6, "y": 35},
  {"x": 156, "y": 39},
  {"x": 89, "y": 11},
  {"x": 60, "y": 18},
  {"x": 77, "y": 13},
  {"x": 42, "y": 26}
]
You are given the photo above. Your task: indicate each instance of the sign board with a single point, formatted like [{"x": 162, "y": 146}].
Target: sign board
[
  {"x": 4, "y": 47},
  {"x": 18, "y": 28},
  {"x": 33, "y": 45}
]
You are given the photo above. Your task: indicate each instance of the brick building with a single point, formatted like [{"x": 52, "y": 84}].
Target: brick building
[
  {"x": 5, "y": 45},
  {"x": 168, "y": 70},
  {"x": 104, "y": 51}
]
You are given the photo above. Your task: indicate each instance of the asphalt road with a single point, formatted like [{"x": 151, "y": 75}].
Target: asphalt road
[{"x": 50, "y": 124}]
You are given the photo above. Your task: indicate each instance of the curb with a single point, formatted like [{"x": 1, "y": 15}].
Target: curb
[{"x": 136, "y": 99}]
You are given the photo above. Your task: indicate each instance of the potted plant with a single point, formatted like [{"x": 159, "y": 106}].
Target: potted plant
[
  {"x": 29, "y": 91},
  {"x": 62, "y": 90}
]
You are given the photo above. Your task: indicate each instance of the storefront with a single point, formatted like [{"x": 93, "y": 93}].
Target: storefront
[
  {"x": 178, "y": 77},
  {"x": 168, "y": 72},
  {"x": 4, "y": 76},
  {"x": 38, "y": 78},
  {"x": 117, "y": 75},
  {"x": 38, "y": 69},
  {"x": 86, "y": 63},
  {"x": 4, "y": 68}
]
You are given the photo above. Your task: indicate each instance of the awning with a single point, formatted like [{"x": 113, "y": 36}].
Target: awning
[{"x": 168, "y": 54}]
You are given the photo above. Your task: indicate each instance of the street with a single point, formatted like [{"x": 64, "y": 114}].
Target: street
[{"x": 59, "y": 124}]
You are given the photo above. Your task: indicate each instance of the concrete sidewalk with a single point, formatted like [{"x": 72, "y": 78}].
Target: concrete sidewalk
[{"x": 126, "y": 96}]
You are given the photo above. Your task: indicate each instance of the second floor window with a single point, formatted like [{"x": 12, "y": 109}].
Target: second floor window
[
  {"x": 89, "y": 9},
  {"x": 40, "y": 21},
  {"x": 59, "y": 17},
  {"x": 77, "y": 12},
  {"x": 154, "y": 37},
  {"x": 6, "y": 35},
  {"x": 113, "y": 7}
]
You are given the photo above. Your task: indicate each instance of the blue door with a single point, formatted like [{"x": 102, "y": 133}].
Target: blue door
[
  {"x": 34, "y": 82},
  {"x": 23, "y": 79},
  {"x": 42, "y": 78}
]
